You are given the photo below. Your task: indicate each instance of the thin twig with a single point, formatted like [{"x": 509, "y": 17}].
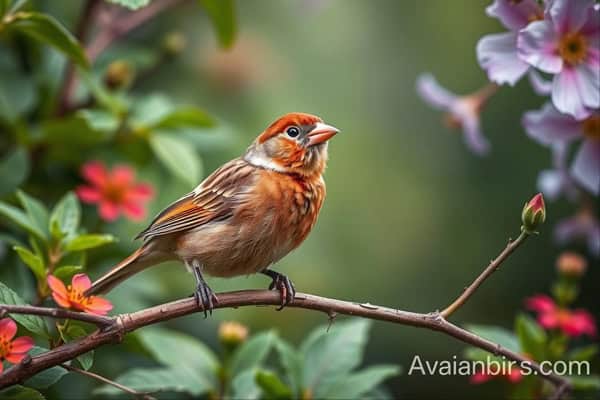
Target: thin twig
[
  {"x": 126, "y": 389},
  {"x": 126, "y": 323},
  {"x": 491, "y": 268},
  {"x": 98, "y": 320}
]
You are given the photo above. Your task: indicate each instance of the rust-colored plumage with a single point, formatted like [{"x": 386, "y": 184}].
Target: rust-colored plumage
[{"x": 246, "y": 215}]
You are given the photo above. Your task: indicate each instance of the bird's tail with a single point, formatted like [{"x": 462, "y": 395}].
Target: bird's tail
[{"x": 133, "y": 264}]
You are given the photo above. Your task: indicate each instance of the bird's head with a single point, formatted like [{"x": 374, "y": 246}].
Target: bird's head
[{"x": 294, "y": 143}]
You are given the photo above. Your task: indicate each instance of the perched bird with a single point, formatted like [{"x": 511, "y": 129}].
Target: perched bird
[{"x": 245, "y": 216}]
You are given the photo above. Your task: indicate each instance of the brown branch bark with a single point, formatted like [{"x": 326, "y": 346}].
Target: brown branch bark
[
  {"x": 126, "y": 323},
  {"x": 97, "y": 320}
]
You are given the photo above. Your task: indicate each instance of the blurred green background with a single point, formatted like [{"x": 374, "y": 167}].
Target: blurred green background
[{"x": 411, "y": 216}]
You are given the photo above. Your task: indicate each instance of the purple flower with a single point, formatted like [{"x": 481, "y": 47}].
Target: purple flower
[
  {"x": 556, "y": 181},
  {"x": 462, "y": 111},
  {"x": 567, "y": 45},
  {"x": 583, "y": 226},
  {"x": 548, "y": 126},
  {"x": 497, "y": 53}
]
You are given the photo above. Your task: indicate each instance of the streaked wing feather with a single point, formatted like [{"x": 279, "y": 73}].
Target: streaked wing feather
[{"x": 214, "y": 200}]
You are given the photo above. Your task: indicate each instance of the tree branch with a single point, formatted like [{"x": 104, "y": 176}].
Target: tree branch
[
  {"x": 491, "y": 268},
  {"x": 125, "y": 323},
  {"x": 98, "y": 320}
]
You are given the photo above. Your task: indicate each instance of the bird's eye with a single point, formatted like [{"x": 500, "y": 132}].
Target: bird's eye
[{"x": 292, "y": 131}]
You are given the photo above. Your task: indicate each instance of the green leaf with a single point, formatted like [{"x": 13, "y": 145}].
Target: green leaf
[
  {"x": 178, "y": 156},
  {"x": 148, "y": 111},
  {"x": 46, "y": 377},
  {"x": 253, "y": 352},
  {"x": 498, "y": 335},
  {"x": 19, "y": 218},
  {"x": 32, "y": 323},
  {"x": 14, "y": 169},
  {"x": 330, "y": 355},
  {"x": 585, "y": 353},
  {"x": 131, "y": 4},
  {"x": 46, "y": 29},
  {"x": 74, "y": 332},
  {"x": 33, "y": 261},
  {"x": 244, "y": 386},
  {"x": 36, "y": 210},
  {"x": 222, "y": 15},
  {"x": 13, "y": 108},
  {"x": 590, "y": 382},
  {"x": 19, "y": 392},
  {"x": 272, "y": 387},
  {"x": 356, "y": 385},
  {"x": 65, "y": 217},
  {"x": 151, "y": 380},
  {"x": 86, "y": 127},
  {"x": 66, "y": 272},
  {"x": 185, "y": 353},
  {"x": 185, "y": 117},
  {"x": 532, "y": 338},
  {"x": 291, "y": 361},
  {"x": 88, "y": 241}
]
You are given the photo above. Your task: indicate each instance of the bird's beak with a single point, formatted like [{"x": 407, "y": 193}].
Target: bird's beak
[{"x": 321, "y": 133}]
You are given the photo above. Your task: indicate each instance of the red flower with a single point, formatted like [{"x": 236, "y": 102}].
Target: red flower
[
  {"x": 72, "y": 296},
  {"x": 534, "y": 213},
  {"x": 11, "y": 350},
  {"x": 513, "y": 376},
  {"x": 114, "y": 191},
  {"x": 572, "y": 322}
]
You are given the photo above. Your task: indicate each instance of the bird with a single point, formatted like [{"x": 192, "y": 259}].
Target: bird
[{"x": 245, "y": 216}]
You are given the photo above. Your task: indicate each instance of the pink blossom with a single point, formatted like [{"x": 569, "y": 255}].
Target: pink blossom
[{"x": 572, "y": 323}]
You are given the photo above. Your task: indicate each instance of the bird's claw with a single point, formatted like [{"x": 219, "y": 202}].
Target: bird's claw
[
  {"x": 205, "y": 298},
  {"x": 285, "y": 286}
]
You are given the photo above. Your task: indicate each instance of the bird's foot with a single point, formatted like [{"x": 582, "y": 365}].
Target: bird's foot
[
  {"x": 205, "y": 298},
  {"x": 284, "y": 285}
]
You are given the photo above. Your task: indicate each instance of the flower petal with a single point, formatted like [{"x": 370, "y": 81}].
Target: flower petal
[
  {"x": 551, "y": 183},
  {"x": 140, "y": 192},
  {"x": 497, "y": 54},
  {"x": 22, "y": 344},
  {"x": 8, "y": 328},
  {"x": 109, "y": 211},
  {"x": 122, "y": 175},
  {"x": 586, "y": 167},
  {"x": 57, "y": 286},
  {"x": 61, "y": 300},
  {"x": 473, "y": 136},
  {"x": 569, "y": 15},
  {"x": 433, "y": 93},
  {"x": 88, "y": 194},
  {"x": 95, "y": 172},
  {"x": 540, "y": 86},
  {"x": 540, "y": 303},
  {"x": 98, "y": 305},
  {"x": 548, "y": 320},
  {"x": 134, "y": 211},
  {"x": 572, "y": 90},
  {"x": 479, "y": 377},
  {"x": 548, "y": 126},
  {"x": 536, "y": 45},
  {"x": 515, "y": 15},
  {"x": 81, "y": 282},
  {"x": 593, "y": 241},
  {"x": 15, "y": 358}
]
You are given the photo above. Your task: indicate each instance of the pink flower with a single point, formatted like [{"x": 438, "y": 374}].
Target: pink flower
[
  {"x": 582, "y": 226},
  {"x": 73, "y": 296},
  {"x": 462, "y": 111},
  {"x": 11, "y": 350},
  {"x": 497, "y": 53},
  {"x": 114, "y": 191},
  {"x": 556, "y": 181},
  {"x": 567, "y": 44},
  {"x": 550, "y": 127},
  {"x": 573, "y": 323}
]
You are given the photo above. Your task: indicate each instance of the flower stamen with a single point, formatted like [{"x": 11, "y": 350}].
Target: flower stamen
[
  {"x": 573, "y": 48},
  {"x": 591, "y": 127}
]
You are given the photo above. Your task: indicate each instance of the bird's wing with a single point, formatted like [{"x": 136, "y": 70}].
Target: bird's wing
[{"x": 213, "y": 200}]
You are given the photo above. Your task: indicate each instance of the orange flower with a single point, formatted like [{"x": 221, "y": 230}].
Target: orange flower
[
  {"x": 72, "y": 296},
  {"x": 11, "y": 350}
]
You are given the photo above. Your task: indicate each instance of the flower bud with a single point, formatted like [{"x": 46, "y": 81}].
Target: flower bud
[
  {"x": 571, "y": 264},
  {"x": 174, "y": 43},
  {"x": 534, "y": 214},
  {"x": 119, "y": 74},
  {"x": 231, "y": 334}
]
